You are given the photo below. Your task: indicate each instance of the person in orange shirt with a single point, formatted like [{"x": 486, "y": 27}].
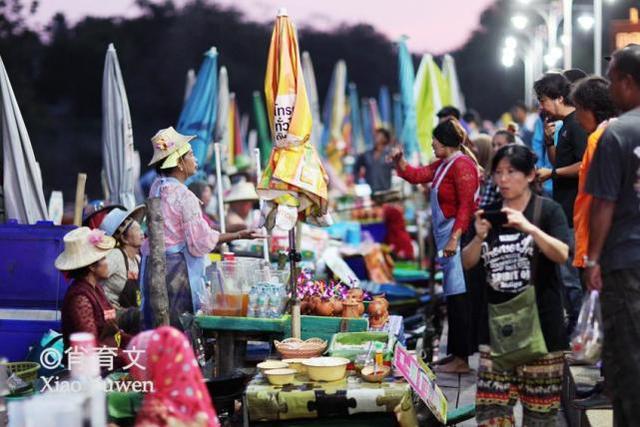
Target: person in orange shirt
[{"x": 594, "y": 111}]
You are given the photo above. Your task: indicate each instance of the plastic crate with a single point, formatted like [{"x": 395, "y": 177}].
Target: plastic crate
[
  {"x": 32, "y": 289},
  {"x": 17, "y": 336},
  {"x": 27, "y": 273}
]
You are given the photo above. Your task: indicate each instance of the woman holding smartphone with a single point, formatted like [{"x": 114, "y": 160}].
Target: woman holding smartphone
[{"x": 518, "y": 241}]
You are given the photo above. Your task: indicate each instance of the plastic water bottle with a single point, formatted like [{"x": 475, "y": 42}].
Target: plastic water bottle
[
  {"x": 274, "y": 302},
  {"x": 263, "y": 303},
  {"x": 252, "y": 309}
]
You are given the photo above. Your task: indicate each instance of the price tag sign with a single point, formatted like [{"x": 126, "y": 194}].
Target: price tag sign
[{"x": 420, "y": 378}]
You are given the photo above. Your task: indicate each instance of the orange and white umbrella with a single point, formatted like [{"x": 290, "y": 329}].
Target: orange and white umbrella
[{"x": 294, "y": 182}]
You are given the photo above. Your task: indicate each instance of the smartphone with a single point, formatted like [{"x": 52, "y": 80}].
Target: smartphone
[{"x": 496, "y": 218}]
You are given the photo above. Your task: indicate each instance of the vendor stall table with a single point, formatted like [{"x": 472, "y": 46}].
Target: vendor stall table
[
  {"x": 232, "y": 333},
  {"x": 319, "y": 400}
]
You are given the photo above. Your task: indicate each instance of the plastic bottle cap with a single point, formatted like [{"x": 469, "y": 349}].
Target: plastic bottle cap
[{"x": 283, "y": 12}]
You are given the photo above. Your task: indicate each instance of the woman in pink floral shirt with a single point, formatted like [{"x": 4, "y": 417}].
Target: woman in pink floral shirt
[{"x": 188, "y": 236}]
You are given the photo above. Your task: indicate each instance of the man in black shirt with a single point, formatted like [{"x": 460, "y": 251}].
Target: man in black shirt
[
  {"x": 613, "y": 261},
  {"x": 553, "y": 91}
]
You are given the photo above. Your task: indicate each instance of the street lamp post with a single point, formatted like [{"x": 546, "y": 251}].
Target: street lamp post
[
  {"x": 530, "y": 53},
  {"x": 597, "y": 37},
  {"x": 567, "y": 11}
]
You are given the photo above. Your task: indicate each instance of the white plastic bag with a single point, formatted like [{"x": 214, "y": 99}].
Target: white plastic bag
[{"x": 586, "y": 342}]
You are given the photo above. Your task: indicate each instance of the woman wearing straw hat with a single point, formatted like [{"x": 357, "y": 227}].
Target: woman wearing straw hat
[
  {"x": 122, "y": 287},
  {"x": 85, "y": 307},
  {"x": 241, "y": 198},
  {"x": 188, "y": 237}
]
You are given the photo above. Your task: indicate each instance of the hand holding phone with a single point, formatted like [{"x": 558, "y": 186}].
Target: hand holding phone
[{"x": 496, "y": 218}]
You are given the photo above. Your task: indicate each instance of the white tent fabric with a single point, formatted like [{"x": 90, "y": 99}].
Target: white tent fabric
[
  {"x": 23, "y": 194},
  {"x": 117, "y": 134}
]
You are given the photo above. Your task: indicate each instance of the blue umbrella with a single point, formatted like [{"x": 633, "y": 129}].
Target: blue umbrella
[
  {"x": 327, "y": 113},
  {"x": 198, "y": 116},
  {"x": 367, "y": 124},
  {"x": 357, "y": 138},
  {"x": 397, "y": 114},
  {"x": 408, "y": 136},
  {"x": 384, "y": 104}
]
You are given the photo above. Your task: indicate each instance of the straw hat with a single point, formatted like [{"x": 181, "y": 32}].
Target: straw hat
[
  {"x": 83, "y": 247},
  {"x": 169, "y": 145},
  {"x": 116, "y": 218},
  {"x": 242, "y": 191}
]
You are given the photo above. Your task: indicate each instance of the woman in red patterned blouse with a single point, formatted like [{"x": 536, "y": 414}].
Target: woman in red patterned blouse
[
  {"x": 455, "y": 179},
  {"x": 85, "y": 307}
]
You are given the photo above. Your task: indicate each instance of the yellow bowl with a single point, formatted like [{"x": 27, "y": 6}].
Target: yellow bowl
[
  {"x": 297, "y": 364},
  {"x": 271, "y": 364},
  {"x": 326, "y": 368},
  {"x": 280, "y": 376}
]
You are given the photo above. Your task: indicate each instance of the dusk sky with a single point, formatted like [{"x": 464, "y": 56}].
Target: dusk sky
[{"x": 433, "y": 26}]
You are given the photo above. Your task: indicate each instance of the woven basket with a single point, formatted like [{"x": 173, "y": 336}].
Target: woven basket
[
  {"x": 26, "y": 371},
  {"x": 295, "y": 348}
]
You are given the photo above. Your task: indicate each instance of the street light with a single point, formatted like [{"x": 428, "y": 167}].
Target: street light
[
  {"x": 520, "y": 22},
  {"x": 550, "y": 60},
  {"x": 508, "y": 60},
  {"x": 527, "y": 54},
  {"x": 511, "y": 42},
  {"x": 586, "y": 22}
]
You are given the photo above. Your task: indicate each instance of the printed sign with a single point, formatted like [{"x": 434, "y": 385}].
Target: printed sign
[{"x": 420, "y": 378}]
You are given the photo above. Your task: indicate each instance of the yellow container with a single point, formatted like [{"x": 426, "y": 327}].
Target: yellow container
[
  {"x": 296, "y": 364},
  {"x": 326, "y": 368},
  {"x": 280, "y": 376},
  {"x": 271, "y": 364}
]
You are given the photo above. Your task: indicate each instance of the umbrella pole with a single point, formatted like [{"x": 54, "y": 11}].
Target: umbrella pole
[
  {"x": 265, "y": 242},
  {"x": 82, "y": 181},
  {"x": 223, "y": 226},
  {"x": 294, "y": 258}
]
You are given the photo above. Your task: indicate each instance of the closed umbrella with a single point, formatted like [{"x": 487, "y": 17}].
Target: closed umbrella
[
  {"x": 229, "y": 141},
  {"x": 376, "y": 118},
  {"x": 406, "y": 75},
  {"x": 117, "y": 135},
  {"x": 264, "y": 139},
  {"x": 294, "y": 181},
  {"x": 357, "y": 138},
  {"x": 384, "y": 105},
  {"x": 367, "y": 124},
  {"x": 397, "y": 114},
  {"x": 23, "y": 195},
  {"x": 198, "y": 117},
  {"x": 222, "y": 116},
  {"x": 453, "y": 84},
  {"x": 428, "y": 103},
  {"x": 335, "y": 148},
  {"x": 314, "y": 100},
  {"x": 190, "y": 81}
]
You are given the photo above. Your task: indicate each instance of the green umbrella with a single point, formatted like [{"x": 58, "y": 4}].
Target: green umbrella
[{"x": 264, "y": 139}]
